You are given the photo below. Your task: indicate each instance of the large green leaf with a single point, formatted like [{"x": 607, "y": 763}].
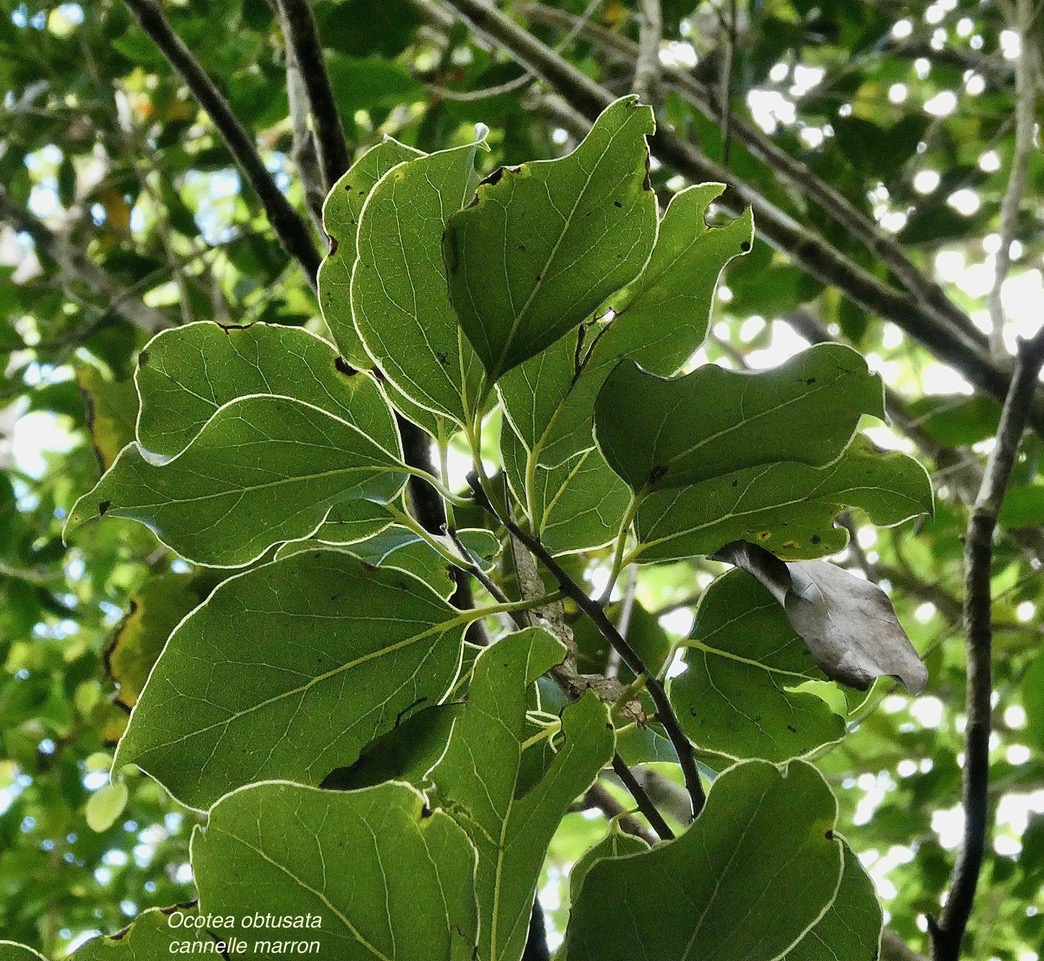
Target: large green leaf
[
  {"x": 288, "y": 671},
  {"x": 187, "y": 374},
  {"x": 400, "y": 298},
  {"x": 744, "y": 660},
  {"x": 374, "y": 873},
  {"x": 851, "y": 928},
  {"x": 153, "y": 934},
  {"x": 659, "y": 434},
  {"x": 757, "y": 869},
  {"x": 546, "y": 243},
  {"x": 573, "y": 498},
  {"x": 263, "y": 470},
  {"x": 478, "y": 780},
  {"x": 341, "y": 212},
  {"x": 787, "y": 507}
]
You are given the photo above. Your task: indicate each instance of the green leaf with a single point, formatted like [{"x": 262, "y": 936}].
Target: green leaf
[
  {"x": 957, "y": 420},
  {"x": 374, "y": 872},
  {"x": 758, "y": 868},
  {"x": 400, "y": 298},
  {"x": 737, "y": 698},
  {"x": 851, "y": 928},
  {"x": 186, "y": 375},
  {"x": 478, "y": 781},
  {"x": 401, "y": 549},
  {"x": 662, "y": 317},
  {"x": 288, "y": 671},
  {"x": 658, "y": 433},
  {"x": 262, "y": 471},
  {"x": 574, "y": 500},
  {"x": 155, "y": 610},
  {"x": 351, "y": 522},
  {"x": 150, "y": 936},
  {"x": 105, "y": 805},
  {"x": 341, "y": 212},
  {"x": 786, "y": 507},
  {"x": 546, "y": 243},
  {"x": 573, "y": 506}
]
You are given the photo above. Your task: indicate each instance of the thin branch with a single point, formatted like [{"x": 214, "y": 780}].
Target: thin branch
[
  {"x": 303, "y": 151},
  {"x": 598, "y": 797},
  {"x": 590, "y": 607},
  {"x": 303, "y": 36},
  {"x": 963, "y": 349},
  {"x": 894, "y": 948},
  {"x": 948, "y": 933},
  {"x": 77, "y": 266},
  {"x": 1025, "y": 122},
  {"x": 289, "y": 226},
  {"x": 647, "y": 63},
  {"x": 642, "y": 799}
]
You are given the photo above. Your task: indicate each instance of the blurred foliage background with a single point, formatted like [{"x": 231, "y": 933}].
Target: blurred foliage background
[{"x": 900, "y": 140}]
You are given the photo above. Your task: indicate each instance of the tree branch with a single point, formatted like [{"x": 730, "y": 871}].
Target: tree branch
[
  {"x": 948, "y": 933},
  {"x": 590, "y": 607},
  {"x": 303, "y": 37},
  {"x": 77, "y": 266},
  {"x": 894, "y": 948},
  {"x": 289, "y": 226},
  {"x": 647, "y": 60}
]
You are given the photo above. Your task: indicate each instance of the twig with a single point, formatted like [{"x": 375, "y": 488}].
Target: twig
[
  {"x": 79, "y": 267},
  {"x": 1025, "y": 121},
  {"x": 647, "y": 63},
  {"x": 303, "y": 151},
  {"x": 630, "y": 657},
  {"x": 962, "y": 348},
  {"x": 289, "y": 226},
  {"x": 303, "y": 37},
  {"x": 948, "y": 933},
  {"x": 598, "y": 797},
  {"x": 642, "y": 799},
  {"x": 624, "y": 625},
  {"x": 894, "y": 948}
]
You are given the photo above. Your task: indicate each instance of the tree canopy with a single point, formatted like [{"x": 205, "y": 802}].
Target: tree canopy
[{"x": 605, "y": 411}]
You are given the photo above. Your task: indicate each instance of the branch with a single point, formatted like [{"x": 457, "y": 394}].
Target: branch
[
  {"x": 948, "y": 933},
  {"x": 647, "y": 61},
  {"x": 642, "y": 799},
  {"x": 630, "y": 657},
  {"x": 1025, "y": 122},
  {"x": 894, "y": 948},
  {"x": 598, "y": 797},
  {"x": 79, "y": 267},
  {"x": 289, "y": 226},
  {"x": 303, "y": 37}
]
